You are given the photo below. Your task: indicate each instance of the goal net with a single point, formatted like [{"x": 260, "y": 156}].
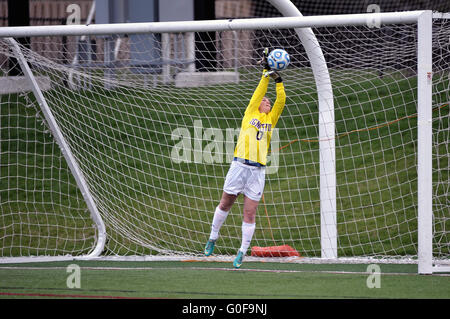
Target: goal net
[{"x": 151, "y": 121}]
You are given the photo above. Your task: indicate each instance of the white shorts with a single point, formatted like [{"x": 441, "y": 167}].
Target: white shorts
[{"x": 245, "y": 179}]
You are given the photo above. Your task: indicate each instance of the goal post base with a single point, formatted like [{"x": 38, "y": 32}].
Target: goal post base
[{"x": 439, "y": 267}]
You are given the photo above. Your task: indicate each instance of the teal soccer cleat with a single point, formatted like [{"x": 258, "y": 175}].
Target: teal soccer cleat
[
  {"x": 209, "y": 248},
  {"x": 238, "y": 260}
]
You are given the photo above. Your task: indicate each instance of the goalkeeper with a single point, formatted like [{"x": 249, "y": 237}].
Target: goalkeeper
[{"x": 247, "y": 171}]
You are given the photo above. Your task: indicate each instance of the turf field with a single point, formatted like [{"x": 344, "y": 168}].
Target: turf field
[{"x": 217, "y": 280}]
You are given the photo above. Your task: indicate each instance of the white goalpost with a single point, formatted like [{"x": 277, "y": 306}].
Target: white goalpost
[{"x": 117, "y": 168}]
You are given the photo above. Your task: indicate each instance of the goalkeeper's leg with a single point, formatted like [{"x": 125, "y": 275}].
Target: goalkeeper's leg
[
  {"x": 248, "y": 229},
  {"x": 220, "y": 215}
]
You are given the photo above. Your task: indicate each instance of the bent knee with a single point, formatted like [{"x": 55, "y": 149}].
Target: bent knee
[{"x": 224, "y": 207}]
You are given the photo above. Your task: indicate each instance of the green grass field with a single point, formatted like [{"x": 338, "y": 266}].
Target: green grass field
[{"x": 218, "y": 280}]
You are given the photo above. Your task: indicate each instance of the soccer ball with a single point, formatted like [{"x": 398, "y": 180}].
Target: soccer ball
[{"x": 278, "y": 60}]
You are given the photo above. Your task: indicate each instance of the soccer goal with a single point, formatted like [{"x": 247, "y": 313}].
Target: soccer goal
[{"x": 123, "y": 153}]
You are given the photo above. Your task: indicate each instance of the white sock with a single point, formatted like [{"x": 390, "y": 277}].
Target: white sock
[
  {"x": 219, "y": 218},
  {"x": 247, "y": 234}
]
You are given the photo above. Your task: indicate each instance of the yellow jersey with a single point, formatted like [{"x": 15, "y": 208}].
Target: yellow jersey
[{"x": 256, "y": 128}]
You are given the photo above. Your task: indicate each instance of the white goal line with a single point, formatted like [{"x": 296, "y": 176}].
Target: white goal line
[{"x": 406, "y": 17}]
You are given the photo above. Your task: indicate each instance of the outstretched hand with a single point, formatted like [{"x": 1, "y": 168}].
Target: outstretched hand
[
  {"x": 267, "y": 70},
  {"x": 263, "y": 62}
]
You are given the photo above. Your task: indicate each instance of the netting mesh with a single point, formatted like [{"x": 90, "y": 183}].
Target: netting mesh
[
  {"x": 154, "y": 141},
  {"x": 42, "y": 212}
]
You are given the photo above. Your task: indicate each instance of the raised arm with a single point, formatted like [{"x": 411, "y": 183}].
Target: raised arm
[
  {"x": 261, "y": 90},
  {"x": 280, "y": 101},
  {"x": 258, "y": 95},
  {"x": 278, "y": 106}
]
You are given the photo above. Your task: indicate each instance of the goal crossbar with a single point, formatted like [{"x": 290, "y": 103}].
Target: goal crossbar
[{"x": 213, "y": 25}]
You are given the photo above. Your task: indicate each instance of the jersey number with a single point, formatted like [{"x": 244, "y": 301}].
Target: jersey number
[{"x": 259, "y": 135}]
